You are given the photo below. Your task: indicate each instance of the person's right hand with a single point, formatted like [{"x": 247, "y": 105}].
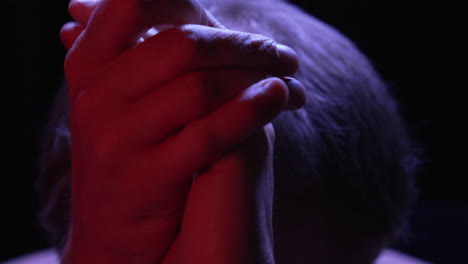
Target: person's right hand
[{"x": 146, "y": 117}]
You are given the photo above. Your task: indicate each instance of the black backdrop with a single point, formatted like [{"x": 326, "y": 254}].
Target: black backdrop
[{"x": 416, "y": 45}]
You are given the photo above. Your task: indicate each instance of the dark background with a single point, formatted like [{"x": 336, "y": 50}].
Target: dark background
[{"x": 417, "y": 46}]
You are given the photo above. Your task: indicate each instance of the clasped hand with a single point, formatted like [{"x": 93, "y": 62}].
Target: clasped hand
[{"x": 171, "y": 142}]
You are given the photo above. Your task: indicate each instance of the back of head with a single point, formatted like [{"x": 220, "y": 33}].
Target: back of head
[
  {"x": 343, "y": 163},
  {"x": 347, "y": 153}
]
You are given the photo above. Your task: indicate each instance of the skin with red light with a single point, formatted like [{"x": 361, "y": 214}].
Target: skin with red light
[{"x": 147, "y": 116}]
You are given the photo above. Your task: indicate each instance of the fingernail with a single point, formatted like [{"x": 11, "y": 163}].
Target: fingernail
[
  {"x": 297, "y": 94},
  {"x": 288, "y": 59}
]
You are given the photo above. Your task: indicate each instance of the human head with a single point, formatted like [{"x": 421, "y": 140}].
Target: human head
[{"x": 343, "y": 162}]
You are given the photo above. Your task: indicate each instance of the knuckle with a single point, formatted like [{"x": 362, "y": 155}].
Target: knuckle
[
  {"x": 266, "y": 45},
  {"x": 202, "y": 42},
  {"x": 257, "y": 45},
  {"x": 187, "y": 39}
]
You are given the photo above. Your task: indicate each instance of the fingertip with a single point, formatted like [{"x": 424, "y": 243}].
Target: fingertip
[
  {"x": 273, "y": 97},
  {"x": 81, "y": 10},
  {"x": 288, "y": 59},
  {"x": 297, "y": 93},
  {"x": 69, "y": 33}
]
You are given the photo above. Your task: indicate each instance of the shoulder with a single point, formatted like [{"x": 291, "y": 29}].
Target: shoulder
[
  {"x": 47, "y": 256},
  {"x": 390, "y": 256}
]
